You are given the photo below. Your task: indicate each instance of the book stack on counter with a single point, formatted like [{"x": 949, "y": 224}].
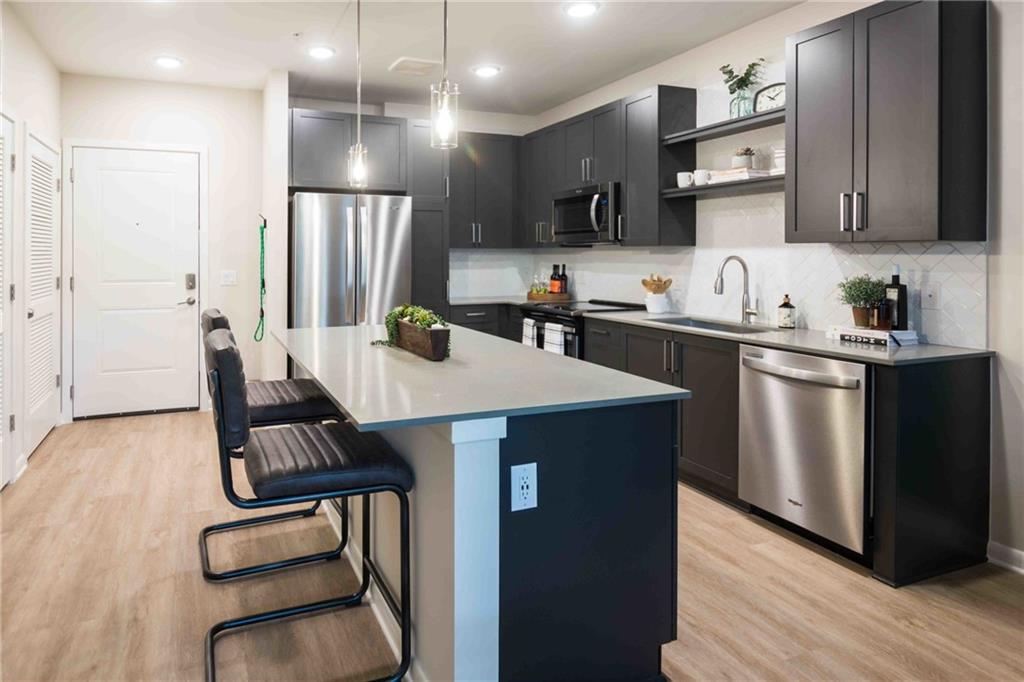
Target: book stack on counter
[
  {"x": 737, "y": 174},
  {"x": 873, "y": 337}
]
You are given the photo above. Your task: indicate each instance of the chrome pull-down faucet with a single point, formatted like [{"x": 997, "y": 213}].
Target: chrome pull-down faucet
[{"x": 747, "y": 313}]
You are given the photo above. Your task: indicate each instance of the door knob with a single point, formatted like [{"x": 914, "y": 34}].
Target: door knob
[
  {"x": 188, "y": 301},
  {"x": 31, "y": 313}
]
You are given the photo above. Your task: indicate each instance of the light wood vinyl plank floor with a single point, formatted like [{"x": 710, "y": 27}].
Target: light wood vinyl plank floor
[{"x": 101, "y": 581}]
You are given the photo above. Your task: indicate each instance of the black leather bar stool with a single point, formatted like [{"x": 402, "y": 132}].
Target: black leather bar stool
[
  {"x": 273, "y": 403},
  {"x": 302, "y": 463},
  {"x": 279, "y": 401}
]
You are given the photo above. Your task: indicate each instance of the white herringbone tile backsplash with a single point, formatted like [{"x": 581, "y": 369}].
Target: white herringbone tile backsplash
[{"x": 753, "y": 227}]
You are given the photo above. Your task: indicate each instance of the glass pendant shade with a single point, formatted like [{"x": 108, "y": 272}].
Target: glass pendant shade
[
  {"x": 444, "y": 115},
  {"x": 357, "y": 168}
]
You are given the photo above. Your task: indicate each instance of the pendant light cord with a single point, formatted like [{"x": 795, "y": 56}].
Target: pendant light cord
[
  {"x": 257, "y": 336},
  {"x": 444, "y": 45},
  {"x": 359, "y": 74}
]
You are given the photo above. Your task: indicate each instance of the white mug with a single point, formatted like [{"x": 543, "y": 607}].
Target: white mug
[
  {"x": 702, "y": 177},
  {"x": 684, "y": 179}
]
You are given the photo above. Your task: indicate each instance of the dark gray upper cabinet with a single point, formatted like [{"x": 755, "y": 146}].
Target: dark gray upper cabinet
[
  {"x": 886, "y": 126},
  {"x": 484, "y": 209},
  {"x": 319, "y": 143},
  {"x": 648, "y": 166},
  {"x": 428, "y": 167},
  {"x": 819, "y": 132},
  {"x": 593, "y": 147},
  {"x": 319, "y": 150}
]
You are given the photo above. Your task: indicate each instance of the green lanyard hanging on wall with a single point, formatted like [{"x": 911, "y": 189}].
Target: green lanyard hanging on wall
[{"x": 258, "y": 334}]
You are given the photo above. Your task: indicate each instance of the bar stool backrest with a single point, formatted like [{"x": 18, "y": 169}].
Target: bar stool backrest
[
  {"x": 227, "y": 383},
  {"x": 213, "y": 318}
]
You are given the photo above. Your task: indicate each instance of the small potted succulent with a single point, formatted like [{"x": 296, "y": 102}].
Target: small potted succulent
[
  {"x": 418, "y": 331},
  {"x": 861, "y": 292},
  {"x": 743, "y": 157}
]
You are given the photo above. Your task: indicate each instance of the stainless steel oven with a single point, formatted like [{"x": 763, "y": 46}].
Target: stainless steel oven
[{"x": 587, "y": 215}]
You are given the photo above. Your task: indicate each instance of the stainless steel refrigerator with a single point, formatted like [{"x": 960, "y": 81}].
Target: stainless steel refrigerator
[{"x": 351, "y": 258}]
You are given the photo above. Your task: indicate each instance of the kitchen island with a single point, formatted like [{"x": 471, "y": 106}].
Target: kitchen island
[{"x": 583, "y": 585}]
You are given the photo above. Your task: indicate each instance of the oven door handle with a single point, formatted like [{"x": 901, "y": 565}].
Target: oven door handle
[
  {"x": 593, "y": 211},
  {"x": 839, "y": 381}
]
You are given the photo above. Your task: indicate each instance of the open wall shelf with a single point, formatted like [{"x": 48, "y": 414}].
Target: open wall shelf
[
  {"x": 733, "y": 126},
  {"x": 772, "y": 183}
]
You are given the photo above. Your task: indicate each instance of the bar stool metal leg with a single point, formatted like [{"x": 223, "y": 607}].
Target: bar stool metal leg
[
  {"x": 213, "y": 576},
  {"x": 353, "y": 599}
]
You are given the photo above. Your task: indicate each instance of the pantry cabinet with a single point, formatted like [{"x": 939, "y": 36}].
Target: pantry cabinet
[
  {"x": 484, "y": 192},
  {"x": 886, "y": 125}
]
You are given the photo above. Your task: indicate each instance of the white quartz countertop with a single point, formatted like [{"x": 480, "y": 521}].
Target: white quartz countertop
[
  {"x": 806, "y": 340},
  {"x": 381, "y": 388}
]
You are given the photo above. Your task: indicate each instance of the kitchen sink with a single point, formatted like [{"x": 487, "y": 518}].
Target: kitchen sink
[{"x": 732, "y": 328}]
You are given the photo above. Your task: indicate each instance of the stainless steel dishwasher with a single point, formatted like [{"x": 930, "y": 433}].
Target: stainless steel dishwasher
[{"x": 803, "y": 430}]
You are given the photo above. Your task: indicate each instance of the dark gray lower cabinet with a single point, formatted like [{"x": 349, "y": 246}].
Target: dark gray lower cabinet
[
  {"x": 604, "y": 344},
  {"x": 511, "y": 322},
  {"x": 709, "y": 421},
  {"x": 483, "y": 318},
  {"x": 648, "y": 354}
]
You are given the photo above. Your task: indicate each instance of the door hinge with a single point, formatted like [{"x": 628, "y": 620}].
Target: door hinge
[
  {"x": 71, "y": 175},
  {"x": 58, "y": 381},
  {"x": 12, "y": 293},
  {"x": 14, "y": 163},
  {"x": 11, "y": 427},
  {"x": 71, "y": 392},
  {"x": 71, "y": 283},
  {"x": 58, "y": 185},
  {"x": 58, "y": 282}
]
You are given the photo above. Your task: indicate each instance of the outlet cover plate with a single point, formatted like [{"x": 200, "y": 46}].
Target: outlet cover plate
[{"x": 524, "y": 486}]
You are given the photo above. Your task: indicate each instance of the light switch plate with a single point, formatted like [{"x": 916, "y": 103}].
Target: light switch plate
[
  {"x": 524, "y": 486},
  {"x": 931, "y": 296},
  {"x": 228, "y": 278}
]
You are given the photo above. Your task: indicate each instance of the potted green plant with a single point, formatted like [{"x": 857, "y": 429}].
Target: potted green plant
[
  {"x": 861, "y": 292},
  {"x": 743, "y": 158},
  {"x": 739, "y": 85},
  {"x": 417, "y": 330}
]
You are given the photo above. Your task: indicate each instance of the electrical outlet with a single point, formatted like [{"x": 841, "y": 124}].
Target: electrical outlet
[
  {"x": 228, "y": 278},
  {"x": 524, "y": 486},
  {"x": 931, "y": 296}
]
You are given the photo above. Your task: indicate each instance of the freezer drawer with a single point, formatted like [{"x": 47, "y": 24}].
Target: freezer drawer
[{"x": 803, "y": 439}]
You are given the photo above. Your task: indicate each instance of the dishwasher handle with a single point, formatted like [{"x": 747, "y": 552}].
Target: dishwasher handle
[{"x": 810, "y": 376}]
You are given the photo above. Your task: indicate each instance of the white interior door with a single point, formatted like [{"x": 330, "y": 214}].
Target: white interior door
[
  {"x": 42, "y": 292},
  {"x": 136, "y": 242},
  {"x": 6, "y": 320}
]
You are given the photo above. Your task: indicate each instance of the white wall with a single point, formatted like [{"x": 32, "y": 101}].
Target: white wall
[
  {"x": 227, "y": 123},
  {"x": 29, "y": 82},
  {"x": 275, "y": 207},
  {"x": 1006, "y": 277}
]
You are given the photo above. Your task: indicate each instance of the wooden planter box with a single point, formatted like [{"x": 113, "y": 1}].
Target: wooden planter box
[
  {"x": 550, "y": 298},
  {"x": 431, "y": 344}
]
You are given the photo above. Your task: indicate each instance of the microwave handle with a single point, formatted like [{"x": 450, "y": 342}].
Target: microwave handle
[{"x": 593, "y": 211}]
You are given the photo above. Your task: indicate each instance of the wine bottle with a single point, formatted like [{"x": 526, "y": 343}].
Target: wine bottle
[
  {"x": 896, "y": 295},
  {"x": 555, "y": 284}
]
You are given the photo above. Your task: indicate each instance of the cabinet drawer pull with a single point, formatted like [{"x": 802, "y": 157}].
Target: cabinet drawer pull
[
  {"x": 602, "y": 332},
  {"x": 480, "y": 314}
]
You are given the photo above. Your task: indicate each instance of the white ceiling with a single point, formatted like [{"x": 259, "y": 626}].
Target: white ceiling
[{"x": 547, "y": 57}]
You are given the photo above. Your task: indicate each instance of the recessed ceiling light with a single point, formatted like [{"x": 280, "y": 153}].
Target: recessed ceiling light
[
  {"x": 167, "y": 62},
  {"x": 581, "y": 9},
  {"x": 321, "y": 52},
  {"x": 487, "y": 70}
]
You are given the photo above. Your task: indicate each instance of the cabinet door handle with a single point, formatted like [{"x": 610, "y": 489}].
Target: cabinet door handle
[
  {"x": 858, "y": 215},
  {"x": 618, "y": 228},
  {"x": 583, "y": 169},
  {"x": 447, "y": 187},
  {"x": 843, "y": 227},
  {"x": 672, "y": 354},
  {"x": 590, "y": 168},
  {"x": 664, "y": 356}
]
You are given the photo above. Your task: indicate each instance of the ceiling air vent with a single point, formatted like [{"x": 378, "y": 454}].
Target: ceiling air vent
[{"x": 412, "y": 66}]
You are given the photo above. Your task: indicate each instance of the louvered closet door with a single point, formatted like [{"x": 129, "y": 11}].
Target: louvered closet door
[
  {"x": 42, "y": 295},
  {"x": 6, "y": 322},
  {"x": 136, "y": 321}
]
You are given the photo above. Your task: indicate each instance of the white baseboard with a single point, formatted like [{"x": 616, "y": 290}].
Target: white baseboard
[
  {"x": 1007, "y": 557},
  {"x": 388, "y": 625}
]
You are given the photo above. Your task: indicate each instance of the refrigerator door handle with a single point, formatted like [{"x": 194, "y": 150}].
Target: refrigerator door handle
[
  {"x": 350, "y": 266},
  {"x": 364, "y": 259}
]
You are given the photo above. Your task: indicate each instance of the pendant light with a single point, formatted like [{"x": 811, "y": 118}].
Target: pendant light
[
  {"x": 357, "y": 169},
  {"x": 444, "y": 102}
]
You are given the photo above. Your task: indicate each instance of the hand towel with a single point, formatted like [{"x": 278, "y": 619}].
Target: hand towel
[
  {"x": 554, "y": 338},
  {"x": 529, "y": 332}
]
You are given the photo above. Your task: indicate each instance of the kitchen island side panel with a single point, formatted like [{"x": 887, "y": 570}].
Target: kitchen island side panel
[{"x": 588, "y": 578}]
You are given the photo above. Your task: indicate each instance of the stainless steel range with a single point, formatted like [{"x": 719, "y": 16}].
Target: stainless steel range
[{"x": 569, "y": 316}]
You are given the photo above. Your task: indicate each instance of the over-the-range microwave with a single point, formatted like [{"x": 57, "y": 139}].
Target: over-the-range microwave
[{"x": 587, "y": 215}]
